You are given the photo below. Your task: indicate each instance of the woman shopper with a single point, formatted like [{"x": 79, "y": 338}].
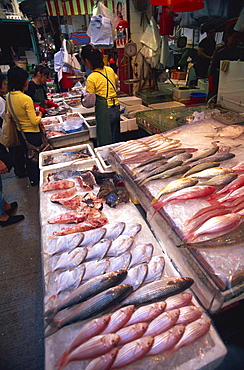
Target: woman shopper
[
  {"x": 102, "y": 83},
  {"x": 6, "y": 209},
  {"x": 27, "y": 120}
]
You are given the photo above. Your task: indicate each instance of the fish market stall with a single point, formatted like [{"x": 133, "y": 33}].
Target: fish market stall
[
  {"x": 108, "y": 255},
  {"x": 212, "y": 256},
  {"x": 66, "y": 129}
]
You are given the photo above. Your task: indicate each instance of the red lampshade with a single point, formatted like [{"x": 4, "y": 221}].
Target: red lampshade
[
  {"x": 122, "y": 24},
  {"x": 166, "y": 2},
  {"x": 187, "y": 6}
]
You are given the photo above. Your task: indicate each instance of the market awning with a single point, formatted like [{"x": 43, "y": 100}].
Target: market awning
[{"x": 74, "y": 7}]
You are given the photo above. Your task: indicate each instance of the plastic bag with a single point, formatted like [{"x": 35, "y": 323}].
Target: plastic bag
[
  {"x": 70, "y": 59},
  {"x": 151, "y": 37}
]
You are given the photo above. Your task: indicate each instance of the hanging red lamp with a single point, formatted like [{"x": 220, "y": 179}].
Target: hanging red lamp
[{"x": 166, "y": 2}]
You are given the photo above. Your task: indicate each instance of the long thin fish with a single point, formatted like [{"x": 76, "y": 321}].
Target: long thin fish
[
  {"x": 166, "y": 174},
  {"x": 204, "y": 154},
  {"x": 158, "y": 170},
  {"x": 92, "y": 307},
  {"x": 158, "y": 290},
  {"x": 200, "y": 167}
]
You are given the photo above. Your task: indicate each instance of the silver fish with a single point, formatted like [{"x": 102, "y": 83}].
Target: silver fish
[
  {"x": 132, "y": 229},
  {"x": 98, "y": 250},
  {"x": 88, "y": 331},
  {"x": 65, "y": 243},
  {"x": 92, "y": 307},
  {"x": 132, "y": 352},
  {"x": 155, "y": 269},
  {"x": 136, "y": 276},
  {"x": 120, "y": 262},
  {"x": 221, "y": 180},
  {"x": 96, "y": 346},
  {"x": 114, "y": 230},
  {"x": 158, "y": 290},
  {"x": 147, "y": 313},
  {"x": 163, "y": 322},
  {"x": 71, "y": 259},
  {"x": 132, "y": 332},
  {"x": 200, "y": 167},
  {"x": 211, "y": 172},
  {"x": 150, "y": 166},
  {"x": 103, "y": 362},
  {"x": 120, "y": 245},
  {"x": 141, "y": 254},
  {"x": 169, "y": 173},
  {"x": 93, "y": 236},
  {"x": 217, "y": 157},
  {"x": 204, "y": 154},
  {"x": 87, "y": 290},
  {"x": 167, "y": 340},
  {"x": 193, "y": 332},
  {"x": 177, "y": 301},
  {"x": 119, "y": 318},
  {"x": 69, "y": 279},
  {"x": 95, "y": 268},
  {"x": 189, "y": 314},
  {"x": 180, "y": 157},
  {"x": 157, "y": 172}
]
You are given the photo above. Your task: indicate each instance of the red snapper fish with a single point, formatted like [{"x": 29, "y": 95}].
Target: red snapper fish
[
  {"x": 57, "y": 185},
  {"x": 234, "y": 185},
  {"x": 193, "y": 192},
  {"x": 239, "y": 167},
  {"x": 219, "y": 224},
  {"x": 82, "y": 226}
]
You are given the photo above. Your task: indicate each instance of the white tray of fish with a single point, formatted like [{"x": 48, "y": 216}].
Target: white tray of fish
[
  {"x": 67, "y": 154},
  {"x": 102, "y": 154},
  {"x": 124, "y": 222}
]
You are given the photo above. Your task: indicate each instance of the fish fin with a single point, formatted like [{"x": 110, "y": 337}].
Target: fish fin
[{"x": 53, "y": 327}]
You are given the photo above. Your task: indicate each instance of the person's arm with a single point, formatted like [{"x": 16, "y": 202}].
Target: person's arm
[
  {"x": 3, "y": 168},
  {"x": 29, "y": 107},
  {"x": 2, "y": 106}
]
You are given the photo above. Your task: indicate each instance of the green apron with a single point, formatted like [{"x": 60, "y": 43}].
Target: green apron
[{"x": 104, "y": 135}]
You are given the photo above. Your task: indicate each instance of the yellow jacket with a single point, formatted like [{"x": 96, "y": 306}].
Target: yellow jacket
[
  {"x": 98, "y": 84},
  {"x": 24, "y": 110}
]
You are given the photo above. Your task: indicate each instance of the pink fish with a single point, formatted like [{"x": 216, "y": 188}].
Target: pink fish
[
  {"x": 132, "y": 332},
  {"x": 239, "y": 167},
  {"x": 189, "y": 314},
  {"x": 193, "y": 332},
  {"x": 197, "y": 222},
  {"x": 216, "y": 224},
  {"x": 193, "y": 192},
  {"x": 178, "y": 300},
  {"x": 82, "y": 226},
  {"x": 202, "y": 211},
  {"x": 163, "y": 322},
  {"x": 233, "y": 195},
  {"x": 103, "y": 362},
  {"x": 132, "y": 352},
  {"x": 167, "y": 340},
  {"x": 91, "y": 329},
  {"x": 71, "y": 203},
  {"x": 235, "y": 184},
  {"x": 147, "y": 313},
  {"x": 119, "y": 318},
  {"x": 94, "y": 347}
]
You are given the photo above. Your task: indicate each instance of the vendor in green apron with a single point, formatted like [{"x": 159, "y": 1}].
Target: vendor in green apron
[
  {"x": 37, "y": 89},
  {"x": 102, "y": 83}
]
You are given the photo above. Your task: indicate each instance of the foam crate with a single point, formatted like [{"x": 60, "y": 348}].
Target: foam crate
[
  {"x": 130, "y": 100},
  {"x": 56, "y": 152},
  {"x": 79, "y": 165},
  {"x": 102, "y": 154}
]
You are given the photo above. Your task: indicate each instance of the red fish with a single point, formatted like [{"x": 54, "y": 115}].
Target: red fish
[
  {"x": 193, "y": 192},
  {"x": 233, "y": 195},
  {"x": 235, "y": 184},
  {"x": 72, "y": 217},
  {"x": 239, "y": 167},
  {"x": 58, "y": 185},
  {"x": 216, "y": 224},
  {"x": 82, "y": 226},
  {"x": 72, "y": 203}
]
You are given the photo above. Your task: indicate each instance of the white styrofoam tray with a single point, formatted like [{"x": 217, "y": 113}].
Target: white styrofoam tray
[
  {"x": 77, "y": 165},
  {"x": 56, "y": 152}
]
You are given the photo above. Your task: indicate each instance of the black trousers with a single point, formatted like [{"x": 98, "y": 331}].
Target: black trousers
[{"x": 32, "y": 169}]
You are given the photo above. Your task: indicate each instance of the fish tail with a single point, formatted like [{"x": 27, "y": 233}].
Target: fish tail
[
  {"x": 212, "y": 199},
  {"x": 53, "y": 327},
  {"x": 49, "y": 315},
  {"x": 62, "y": 361}
]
